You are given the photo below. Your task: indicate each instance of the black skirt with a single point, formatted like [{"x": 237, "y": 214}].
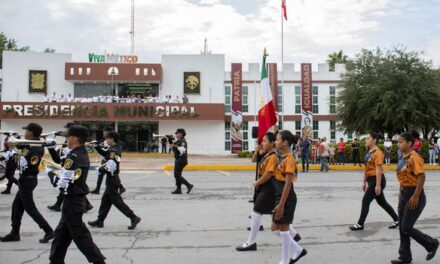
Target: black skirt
[
  {"x": 264, "y": 202},
  {"x": 289, "y": 207}
]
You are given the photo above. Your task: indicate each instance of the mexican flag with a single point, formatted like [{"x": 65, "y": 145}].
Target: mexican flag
[{"x": 267, "y": 117}]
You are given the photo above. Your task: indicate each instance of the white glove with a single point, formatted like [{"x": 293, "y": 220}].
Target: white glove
[
  {"x": 23, "y": 164},
  {"x": 182, "y": 150},
  {"x": 51, "y": 143},
  {"x": 111, "y": 166},
  {"x": 65, "y": 179}
]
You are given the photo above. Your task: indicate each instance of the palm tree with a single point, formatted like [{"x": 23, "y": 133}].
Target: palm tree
[{"x": 336, "y": 57}]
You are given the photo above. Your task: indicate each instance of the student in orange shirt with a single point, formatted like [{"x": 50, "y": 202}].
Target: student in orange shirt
[
  {"x": 285, "y": 198},
  {"x": 412, "y": 201},
  {"x": 375, "y": 178}
]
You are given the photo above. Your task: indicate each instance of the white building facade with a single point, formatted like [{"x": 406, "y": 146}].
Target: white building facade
[{"x": 27, "y": 76}]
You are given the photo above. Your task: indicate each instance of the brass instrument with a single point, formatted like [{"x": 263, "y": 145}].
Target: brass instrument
[
  {"x": 8, "y": 133},
  {"x": 15, "y": 142},
  {"x": 2, "y": 171},
  {"x": 57, "y": 167},
  {"x": 117, "y": 158}
]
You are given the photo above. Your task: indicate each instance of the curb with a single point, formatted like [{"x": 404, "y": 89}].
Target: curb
[{"x": 209, "y": 167}]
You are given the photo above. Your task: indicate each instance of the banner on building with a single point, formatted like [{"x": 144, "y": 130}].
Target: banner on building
[
  {"x": 306, "y": 100},
  {"x": 236, "y": 108},
  {"x": 273, "y": 81}
]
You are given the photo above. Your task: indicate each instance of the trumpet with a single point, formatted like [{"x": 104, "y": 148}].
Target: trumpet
[
  {"x": 56, "y": 166},
  {"x": 53, "y": 133},
  {"x": 8, "y": 133},
  {"x": 15, "y": 142}
]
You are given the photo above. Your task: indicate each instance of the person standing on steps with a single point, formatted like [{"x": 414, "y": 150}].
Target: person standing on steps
[{"x": 180, "y": 149}]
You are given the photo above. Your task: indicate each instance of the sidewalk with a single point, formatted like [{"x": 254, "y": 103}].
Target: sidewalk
[{"x": 145, "y": 162}]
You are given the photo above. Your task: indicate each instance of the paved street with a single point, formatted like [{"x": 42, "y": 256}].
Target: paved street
[{"x": 205, "y": 226}]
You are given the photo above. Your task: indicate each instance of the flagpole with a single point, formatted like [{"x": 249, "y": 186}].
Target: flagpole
[{"x": 282, "y": 65}]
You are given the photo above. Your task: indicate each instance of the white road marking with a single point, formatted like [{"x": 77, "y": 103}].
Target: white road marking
[
  {"x": 224, "y": 173},
  {"x": 167, "y": 172}
]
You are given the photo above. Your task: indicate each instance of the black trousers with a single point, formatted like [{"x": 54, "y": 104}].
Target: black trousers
[
  {"x": 24, "y": 201},
  {"x": 111, "y": 197},
  {"x": 10, "y": 168},
  {"x": 72, "y": 227},
  {"x": 356, "y": 157},
  {"x": 164, "y": 148},
  {"x": 407, "y": 219},
  {"x": 178, "y": 169},
  {"x": 60, "y": 198},
  {"x": 99, "y": 181},
  {"x": 370, "y": 195}
]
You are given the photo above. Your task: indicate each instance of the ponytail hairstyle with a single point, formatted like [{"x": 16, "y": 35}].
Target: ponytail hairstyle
[
  {"x": 375, "y": 136},
  {"x": 289, "y": 137},
  {"x": 408, "y": 137}
]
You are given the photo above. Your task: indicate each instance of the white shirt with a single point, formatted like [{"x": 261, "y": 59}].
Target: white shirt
[
  {"x": 388, "y": 144},
  {"x": 69, "y": 98}
]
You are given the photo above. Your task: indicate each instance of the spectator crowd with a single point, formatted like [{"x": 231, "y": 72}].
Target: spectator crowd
[{"x": 114, "y": 99}]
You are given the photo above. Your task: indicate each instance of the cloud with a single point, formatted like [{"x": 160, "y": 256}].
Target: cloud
[{"x": 314, "y": 29}]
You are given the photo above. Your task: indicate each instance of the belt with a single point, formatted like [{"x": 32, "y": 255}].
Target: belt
[{"x": 407, "y": 188}]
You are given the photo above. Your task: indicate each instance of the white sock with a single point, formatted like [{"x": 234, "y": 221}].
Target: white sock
[
  {"x": 285, "y": 246},
  {"x": 295, "y": 248},
  {"x": 255, "y": 227},
  {"x": 292, "y": 231}
]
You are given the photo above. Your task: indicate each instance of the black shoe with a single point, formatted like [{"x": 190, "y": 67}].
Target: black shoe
[
  {"x": 54, "y": 207},
  {"x": 356, "y": 227},
  {"x": 96, "y": 223},
  {"x": 399, "y": 261},
  {"x": 89, "y": 207},
  {"x": 297, "y": 238},
  {"x": 11, "y": 237},
  {"x": 177, "y": 192},
  {"x": 261, "y": 228},
  {"x": 190, "y": 187},
  {"x": 6, "y": 192},
  {"x": 47, "y": 237},
  {"x": 303, "y": 253},
  {"x": 95, "y": 191},
  {"x": 246, "y": 247},
  {"x": 134, "y": 221},
  {"x": 394, "y": 225},
  {"x": 431, "y": 254}
]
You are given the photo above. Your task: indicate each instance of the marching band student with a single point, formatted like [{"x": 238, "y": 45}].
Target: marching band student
[
  {"x": 412, "y": 201},
  {"x": 73, "y": 184},
  {"x": 112, "y": 194},
  {"x": 8, "y": 156},
  {"x": 264, "y": 199},
  {"x": 103, "y": 147},
  {"x": 285, "y": 198},
  {"x": 376, "y": 181},
  {"x": 180, "y": 149},
  {"x": 28, "y": 159}
]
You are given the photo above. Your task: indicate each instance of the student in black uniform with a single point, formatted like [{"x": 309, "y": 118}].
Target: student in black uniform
[
  {"x": 180, "y": 149},
  {"x": 103, "y": 145},
  {"x": 285, "y": 198},
  {"x": 412, "y": 201},
  {"x": 59, "y": 157},
  {"x": 73, "y": 183},
  {"x": 28, "y": 160},
  {"x": 10, "y": 165},
  {"x": 112, "y": 194}
]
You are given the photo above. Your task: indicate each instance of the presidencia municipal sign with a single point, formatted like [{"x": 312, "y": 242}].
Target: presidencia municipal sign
[{"x": 111, "y": 111}]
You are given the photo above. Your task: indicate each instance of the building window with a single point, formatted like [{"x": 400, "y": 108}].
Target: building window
[
  {"x": 280, "y": 124},
  {"x": 80, "y": 71},
  {"x": 297, "y": 99},
  {"x": 245, "y": 92},
  {"x": 138, "y": 71},
  {"x": 315, "y": 129},
  {"x": 72, "y": 71},
  {"x": 245, "y": 126},
  {"x": 280, "y": 99},
  {"x": 227, "y": 99},
  {"x": 332, "y": 130},
  {"x": 298, "y": 125},
  {"x": 315, "y": 106},
  {"x": 227, "y": 135},
  {"x": 350, "y": 136},
  {"x": 332, "y": 99},
  {"x": 145, "y": 71},
  {"x": 88, "y": 71}
]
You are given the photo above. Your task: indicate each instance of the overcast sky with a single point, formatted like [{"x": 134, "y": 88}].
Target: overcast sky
[{"x": 240, "y": 29}]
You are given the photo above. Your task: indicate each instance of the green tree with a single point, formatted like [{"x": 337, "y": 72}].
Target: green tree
[
  {"x": 336, "y": 57},
  {"x": 9, "y": 44},
  {"x": 390, "y": 91}
]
